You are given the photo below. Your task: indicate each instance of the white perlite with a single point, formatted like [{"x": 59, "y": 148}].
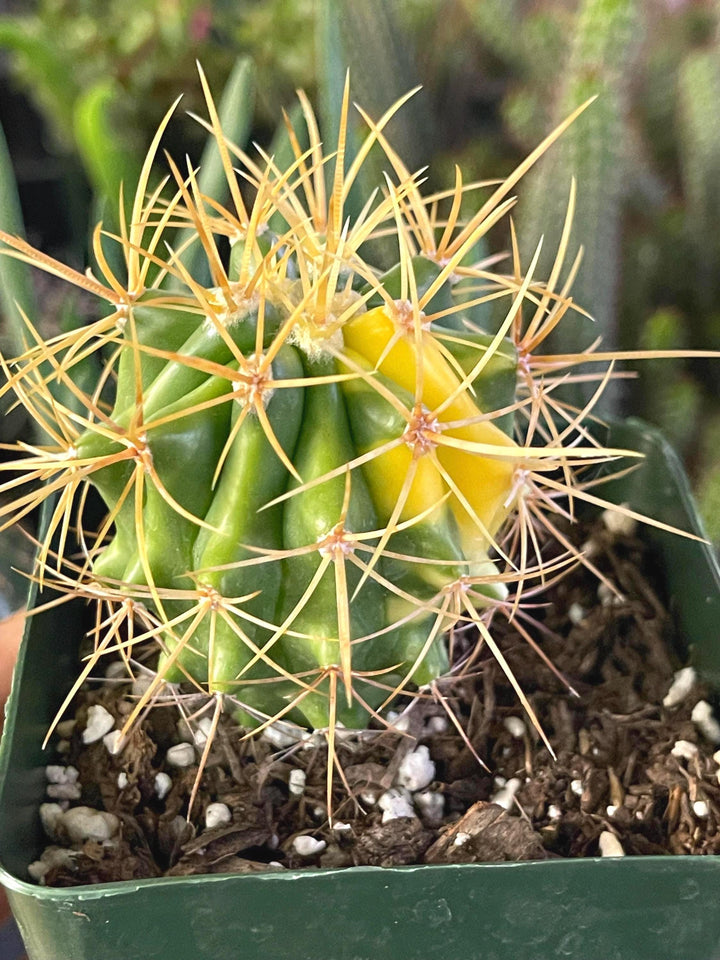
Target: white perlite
[
  {"x": 122, "y": 780},
  {"x": 64, "y": 791},
  {"x": 461, "y": 839},
  {"x": 703, "y": 718},
  {"x": 683, "y": 682},
  {"x": 576, "y": 613},
  {"x": 65, "y": 728},
  {"x": 203, "y": 731},
  {"x": 701, "y": 809},
  {"x": 116, "y": 670},
  {"x": 305, "y": 846},
  {"x": 437, "y": 724},
  {"x": 684, "y": 750},
  {"x": 141, "y": 684},
  {"x": 54, "y": 773},
  {"x": 576, "y": 787},
  {"x": 280, "y": 735},
  {"x": 431, "y": 804},
  {"x": 163, "y": 785},
  {"x": 505, "y": 796},
  {"x": 181, "y": 755},
  {"x": 340, "y": 827},
  {"x": 217, "y": 815},
  {"x": 619, "y": 523},
  {"x": 83, "y": 823},
  {"x": 50, "y": 815},
  {"x": 296, "y": 782},
  {"x": 398, "y": 721},
  {"x": 99, "y": 722},
  {"x": 554, "y": 812},
  {"x": 416, "y": 770},
  {"x": 50, "y": 857},
  {"x": 114, "y": 742},
  {"x": 395, "y": 804},
  {"x": 515, "y": 727},
  {"x": 609, "y": 845}
]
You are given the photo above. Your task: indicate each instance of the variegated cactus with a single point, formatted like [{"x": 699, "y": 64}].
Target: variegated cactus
[{"x": 313, "y": 472}]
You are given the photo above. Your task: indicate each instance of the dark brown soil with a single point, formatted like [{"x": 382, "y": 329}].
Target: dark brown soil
[{"x": 618, "y": 770}]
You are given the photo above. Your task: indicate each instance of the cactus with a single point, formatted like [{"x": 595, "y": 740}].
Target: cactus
[
  {"x": 312, "y": 471},
  {"x": 602, "y": 49}
]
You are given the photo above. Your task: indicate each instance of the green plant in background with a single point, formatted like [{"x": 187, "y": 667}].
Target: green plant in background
[
  {"x": 102, "y": 73},
  {"x": 313, "y": 469}
]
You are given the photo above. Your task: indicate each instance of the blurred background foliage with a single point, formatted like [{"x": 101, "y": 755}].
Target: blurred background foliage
[{"x": 85, "y": 83}]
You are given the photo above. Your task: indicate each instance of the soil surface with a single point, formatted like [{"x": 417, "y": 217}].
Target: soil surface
[{"x": 632, "y": 775}]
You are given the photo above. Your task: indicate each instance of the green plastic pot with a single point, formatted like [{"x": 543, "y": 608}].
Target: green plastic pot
[{"x": 634, "y": 908}]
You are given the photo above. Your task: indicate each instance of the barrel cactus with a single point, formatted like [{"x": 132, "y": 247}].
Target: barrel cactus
[{"x": 313, "y": 471}]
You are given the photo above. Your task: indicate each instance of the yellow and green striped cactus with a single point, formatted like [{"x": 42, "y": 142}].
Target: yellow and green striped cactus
[{"x": 312, "y": 471}]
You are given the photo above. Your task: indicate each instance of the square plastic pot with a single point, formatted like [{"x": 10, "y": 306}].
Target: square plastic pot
[{"x": 632, "y": 908}]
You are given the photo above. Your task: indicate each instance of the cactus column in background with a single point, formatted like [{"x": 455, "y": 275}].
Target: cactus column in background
[{"x": 605, "y": 37}]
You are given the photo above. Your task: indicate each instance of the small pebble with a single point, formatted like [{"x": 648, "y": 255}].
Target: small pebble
[
  {"x": 181, "y": 755},
  {"x": 163, "y": 785},
  {"x": 99, "y": 722},
  {"x": 506, "y": 795},
  {"x": 340, "y": 827},
  {"x": 368, "y": 797},
  {"x": 395, "y": 804},
  {"x": 683, "y": 682},
  {"x": 306, "y": 846},
  {"x": 611, "y": 809},
  {"x": 609, "y": 845},
  {"x": 701, "y": 809},
  {"x": 515, "y": 727},
  {"x": 576, "y": 613},
  {"x": 416, "y": 770},
  {"x": 296, "y": 782},
  {"x": 619, "y": 523},
  {"x": 703, "y": 718},
  {"x": 114, "y": 742},
  {"x": 217, "y": 815},
  {"x": 499, "y": 782},
  {"x": 684, "y": 750},
  {"x": 122, "y": 780}
]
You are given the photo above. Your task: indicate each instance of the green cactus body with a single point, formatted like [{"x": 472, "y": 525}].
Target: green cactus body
[{"x": 306, "y": 474}]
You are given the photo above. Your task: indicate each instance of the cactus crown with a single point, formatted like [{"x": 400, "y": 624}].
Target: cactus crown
[{"x": 313, "y": 471}]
